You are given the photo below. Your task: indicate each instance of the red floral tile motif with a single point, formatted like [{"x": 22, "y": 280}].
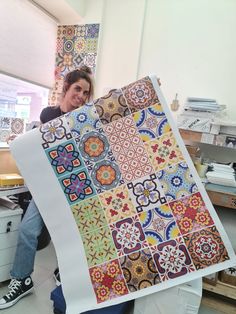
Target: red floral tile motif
[
  {"x": 128, "y": 148},
  {"x": 164, "y": 151},
  {"x": 128, "y": 236},
  {"x": 206, "y": 247},
  {"x": 191, "y": 213},
  {"x": 146, "y": 193},
  {"x": 172, "y": 259},
  {"x": 112, "y": 106},
  {"x": 108, "y": 281},
  {"x": 117, "y": 204},
  {"x": 139, "y": 270},
  {"x": 140, "y": 95}
]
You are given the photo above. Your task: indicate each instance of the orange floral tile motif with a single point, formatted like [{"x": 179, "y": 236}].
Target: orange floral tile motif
[
  {"x": 206, "y": 247},
  {"x": 108, "y": 281},
  {"x": 117, "y": 204},
  {"x": 164, "y": 151},
  {"x": 191, "y": 213}
]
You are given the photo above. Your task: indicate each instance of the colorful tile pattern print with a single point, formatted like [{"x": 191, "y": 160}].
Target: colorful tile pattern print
[
  {"x": 65, "y": 158},
  {"x": 177, "y": 181},
  {"x": 10, "y": 126},
  {"x": 139, "y": 270},
  {"x": 99, "y": 246},
  {"x": 17, "y": 125},
  {"x": 54, "y": 132},
  {"x": 128, "y": 235},
  {"x": 76, "y": 46},
  {"x": 108, "y": 281},
  {"x": 128, "y": 149},
  {"x": 191, "y": 213},
  {"x": 5, "y": 123},
  {"x": 206, "y": 247},
  {"x": 117, "y": 204},
  {"x": 172, "y": 259},
  {"x": 151, "y": 122},
  {"x": 77, "y": 186},
  {"x": 89, "y": 215},
  {"x": 83, "y": 120},
  {"x": 4, "y": 135},
  {"x": 164, "y": 151},
  {"x": 140, "y": 95},
  {"x": 138, "y": 209},
  {"x": 159, "y": 225},
  {"x": 112, "y": 106},
  {"x": 146, "y": 193}
]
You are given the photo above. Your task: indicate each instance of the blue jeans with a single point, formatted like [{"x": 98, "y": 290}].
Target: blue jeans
[{"x": 29, "y": 230}]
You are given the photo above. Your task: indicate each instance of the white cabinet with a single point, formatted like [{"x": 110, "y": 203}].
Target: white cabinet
[{"x": 9, "y": 221}]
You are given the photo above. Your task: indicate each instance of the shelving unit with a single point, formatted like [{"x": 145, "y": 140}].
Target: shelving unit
[{"x": 220, "y": 196}]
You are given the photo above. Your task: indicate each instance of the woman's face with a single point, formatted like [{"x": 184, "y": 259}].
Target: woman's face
[{"x": 77, "y": 94}]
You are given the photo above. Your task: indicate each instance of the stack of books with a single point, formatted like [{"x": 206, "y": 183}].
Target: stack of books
[{"x": 221, "y": 174}]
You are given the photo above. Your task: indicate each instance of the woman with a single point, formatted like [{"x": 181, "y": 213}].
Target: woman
[{"x": 77, "y": 90}]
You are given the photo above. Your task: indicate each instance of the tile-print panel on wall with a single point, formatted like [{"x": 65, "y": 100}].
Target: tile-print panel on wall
[
  {"x": 76, "y": 45},
  {"x": 127, "y": 196}
]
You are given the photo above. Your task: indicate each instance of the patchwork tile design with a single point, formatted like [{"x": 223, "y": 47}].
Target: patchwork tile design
[
  {"x": 83, "y": 120},
  {"x": 78, "y": 186},
  {"x": 146, "y": 193},
  {"x": 108, "y": 281},
  {"x": 117, "y": 204},
  {"x": 191, "y": 213},
  {"x": 172, "y": 259},
  {"x": 164, "y": 151},
  {"x": 177, "y": 181},
  {"x": 206, "y": 247},
  {"x": 139, "y": 270},
  {"x": 128, "y": 149},
  {"x": 65, "y": 158},
  {"x": 99, "y": 246},
  {"x": 159, "y": 225},
  {"x": 76, "y": 45},
  {"x": 17, "y": 125},
  {"x": 5, "y": 122},
  {"x": 128, "y": 235},
  {"x": 54, "y": 132},
  {"x": 112, "y": 106},
  {"x": 151, "y": 122},
  {"x": 140, "y": 95},
  {"x": 89, "y": 215},
  {"x": 4, "y": 135}
]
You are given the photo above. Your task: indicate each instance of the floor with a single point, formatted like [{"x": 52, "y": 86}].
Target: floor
[{"x": 39, "y": 302}]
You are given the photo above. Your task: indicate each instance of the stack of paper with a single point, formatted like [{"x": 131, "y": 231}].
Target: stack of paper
[
  {"x": 222, "y": 174},
  {"x": 203, "y": 104}
]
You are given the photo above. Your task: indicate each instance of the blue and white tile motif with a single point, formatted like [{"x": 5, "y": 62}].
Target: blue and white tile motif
[{"x": 177, "y": 181}]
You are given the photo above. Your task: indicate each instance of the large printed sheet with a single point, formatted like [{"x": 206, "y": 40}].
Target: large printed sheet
[{"x": 126, "y": 210}]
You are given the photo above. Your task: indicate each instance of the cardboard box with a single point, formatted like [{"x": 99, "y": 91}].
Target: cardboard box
[{"x": 229, "y": 276}]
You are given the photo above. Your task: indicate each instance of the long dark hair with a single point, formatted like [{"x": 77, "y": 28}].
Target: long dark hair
[{"x": 83, "y": 72}]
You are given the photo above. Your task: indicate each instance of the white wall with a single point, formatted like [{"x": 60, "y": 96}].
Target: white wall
[
  {"x": 28, "y": 40},
  {"x": 189, "y": 44}
]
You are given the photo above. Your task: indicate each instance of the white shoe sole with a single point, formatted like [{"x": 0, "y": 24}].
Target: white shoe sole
[{"x": 8, "y": 304}]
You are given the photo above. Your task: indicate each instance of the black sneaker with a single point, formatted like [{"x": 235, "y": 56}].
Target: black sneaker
[
  {"x": 17, "y": 290},
  {"x": 56, "y": 276}
]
